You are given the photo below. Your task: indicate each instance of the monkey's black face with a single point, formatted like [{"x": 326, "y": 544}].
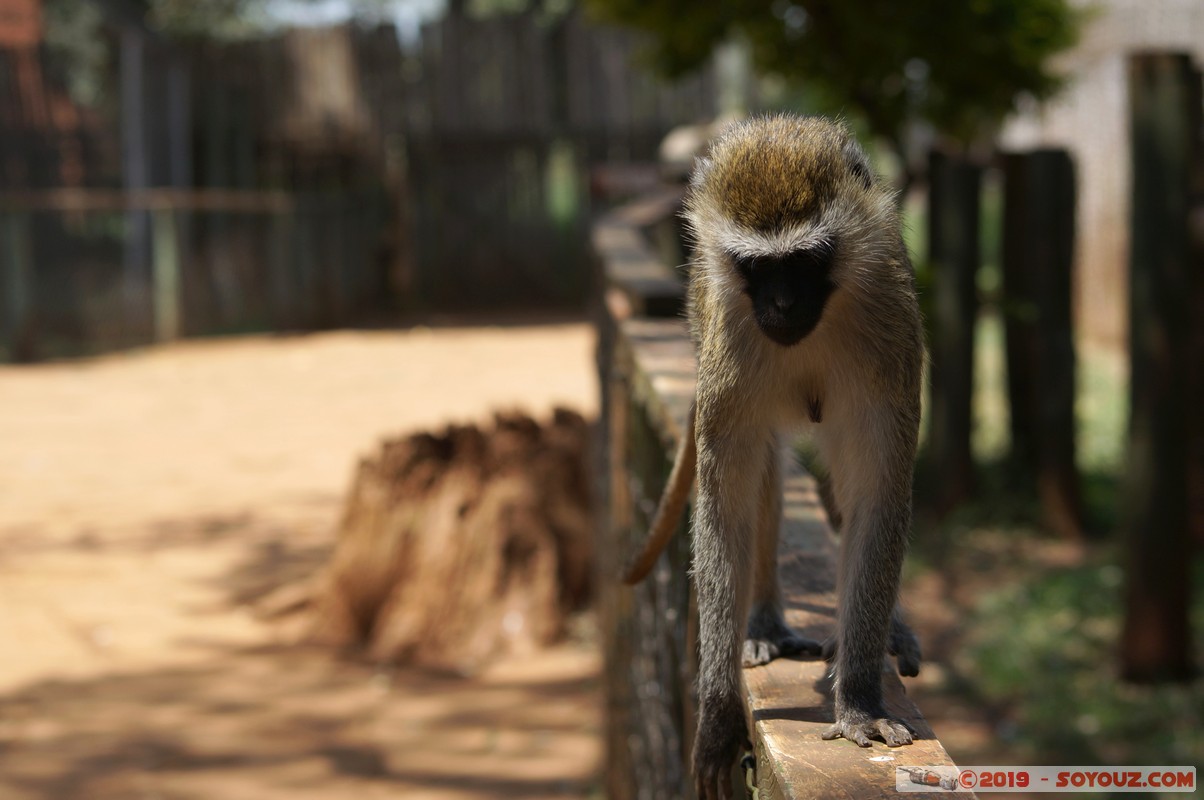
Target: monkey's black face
[{"x": 788, "y": 292}]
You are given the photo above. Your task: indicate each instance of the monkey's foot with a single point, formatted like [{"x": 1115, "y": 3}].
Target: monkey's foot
[
  {"x": 900, "y": 643},
  {"x": 859, "y": 728},
  {"x": 763, "y": 650},
  {"x": 722, "y": 734},
  {"x": 769, "y": 637}
]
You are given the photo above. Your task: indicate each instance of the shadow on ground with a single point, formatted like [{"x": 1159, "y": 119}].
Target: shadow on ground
[{"x": 293, "y": 722}]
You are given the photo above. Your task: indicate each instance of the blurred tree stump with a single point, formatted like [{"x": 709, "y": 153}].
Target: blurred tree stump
[{"x": 455, "y": 546}]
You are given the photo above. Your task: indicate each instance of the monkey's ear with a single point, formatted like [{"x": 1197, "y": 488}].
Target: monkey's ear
[
  {"x": 862, "y": 173},
  {"x": 859, "y": 163}
]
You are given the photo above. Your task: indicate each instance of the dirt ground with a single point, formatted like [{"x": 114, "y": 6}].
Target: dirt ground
[{"x": 148, "y": 499}]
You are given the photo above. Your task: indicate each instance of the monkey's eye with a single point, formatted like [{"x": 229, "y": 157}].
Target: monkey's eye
[
  {"x": 862, "y": 173},
  {"x": 745, "y": 265}
]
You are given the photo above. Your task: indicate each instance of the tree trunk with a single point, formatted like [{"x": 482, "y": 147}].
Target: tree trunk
[
  {"x": 953, "y": 242},
  {"x": 1038, "y": 253},
  {"x": 1156, "y": 639},
  {"x": 1195, "y": 475}
]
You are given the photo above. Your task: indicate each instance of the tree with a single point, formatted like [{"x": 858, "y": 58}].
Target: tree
[
  {"x": 958, "y": 65},
  {"x": 1164, "y": 116}
]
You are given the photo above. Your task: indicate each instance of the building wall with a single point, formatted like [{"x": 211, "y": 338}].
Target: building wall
[
  {"x": 1090, "y": 118},
  {"x": 20, "y": 23}
]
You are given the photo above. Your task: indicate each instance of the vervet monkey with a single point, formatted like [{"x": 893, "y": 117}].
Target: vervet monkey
[{"x": 803, "y": 314}]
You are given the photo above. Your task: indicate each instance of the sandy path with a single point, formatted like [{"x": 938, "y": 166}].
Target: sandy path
[{"x": 146, "y": 497}]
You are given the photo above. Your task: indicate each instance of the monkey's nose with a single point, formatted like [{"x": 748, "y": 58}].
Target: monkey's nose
[{"x": 783, "y": 300}]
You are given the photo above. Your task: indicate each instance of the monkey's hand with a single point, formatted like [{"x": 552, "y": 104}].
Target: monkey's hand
[
  {"x": 722, "y": 734},
  {"x": 859, "y": 727}
]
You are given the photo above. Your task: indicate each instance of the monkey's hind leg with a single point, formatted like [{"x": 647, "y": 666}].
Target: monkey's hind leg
[
  {"x": 902, "y": 643},
  {"x": 768, "y": 634},
  {"x": 725, "y": 520}
]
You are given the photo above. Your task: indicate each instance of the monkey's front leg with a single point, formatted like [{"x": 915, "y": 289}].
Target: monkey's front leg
[
  {"x": 872, "y": 550},
  {"x": 730, "y": 465}
]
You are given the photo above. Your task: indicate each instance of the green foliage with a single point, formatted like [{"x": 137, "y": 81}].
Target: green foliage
[
  {"x": 1039, "y": 625},
  {"x": 83, "y": 58},
  {"x": 958, "y": 65},
  {"x": 79, "y": 55},
  {"x": 210, "y": 18},
  {"x": 1045, "y": 649}
]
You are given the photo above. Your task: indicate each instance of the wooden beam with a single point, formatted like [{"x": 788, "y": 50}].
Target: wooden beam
[{"x": 102, "y": 200}]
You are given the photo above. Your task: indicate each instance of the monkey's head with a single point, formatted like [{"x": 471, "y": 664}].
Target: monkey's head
[{"x": 786, "y": 211}]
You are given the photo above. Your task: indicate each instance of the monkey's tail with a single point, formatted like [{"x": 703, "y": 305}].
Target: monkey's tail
[{"x": 669, "y": 511}]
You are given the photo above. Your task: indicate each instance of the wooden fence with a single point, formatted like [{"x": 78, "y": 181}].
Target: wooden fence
[
  {"x": 646, "y": 368},
  {"x": 220, "y": 261},
  {"x": 503, "y": 119},
  {"x": 450, "y": 174}
]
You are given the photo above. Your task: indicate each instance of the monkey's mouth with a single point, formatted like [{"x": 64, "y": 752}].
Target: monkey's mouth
[
  {"x": 788, "y": 323},
  {"x": 784, "y": 333},
  {"x": 788, "y": 292}
]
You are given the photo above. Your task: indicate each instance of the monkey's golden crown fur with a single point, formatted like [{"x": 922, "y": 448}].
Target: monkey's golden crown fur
[{"x": 769, "y": 172}]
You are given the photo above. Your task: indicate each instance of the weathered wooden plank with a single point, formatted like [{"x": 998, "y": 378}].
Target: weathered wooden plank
[{"x": 650, "y": 286}]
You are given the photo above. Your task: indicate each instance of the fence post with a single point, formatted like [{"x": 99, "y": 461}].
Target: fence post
[
  {"x": 18, "y": 286},
  {"x": 304, "y": 246},
  {"x": 1038, "y": 254},
  {"x": 1156, "y": 638},
  {"x": 280, "y": 239},
  {"x": 166, "y": 245},
  {"x": 953, "y": 244},
  {"x": 1195, "y": 475},
  {"x": 135, "y": 168}
]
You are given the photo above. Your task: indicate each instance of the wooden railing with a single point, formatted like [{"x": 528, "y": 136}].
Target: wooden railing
[
  {"x": 301, "y": 259},
  {"x": 646, "y": 366},
  {"x": 163, "y": 206}
]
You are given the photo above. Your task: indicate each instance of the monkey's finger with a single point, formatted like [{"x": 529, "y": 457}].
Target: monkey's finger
[
  {"x": 893, "y": 733},
  {"x": 758, "y": 652},
  {"x": 708, "y": 786},
  {"x": 853, "y": 733}
]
